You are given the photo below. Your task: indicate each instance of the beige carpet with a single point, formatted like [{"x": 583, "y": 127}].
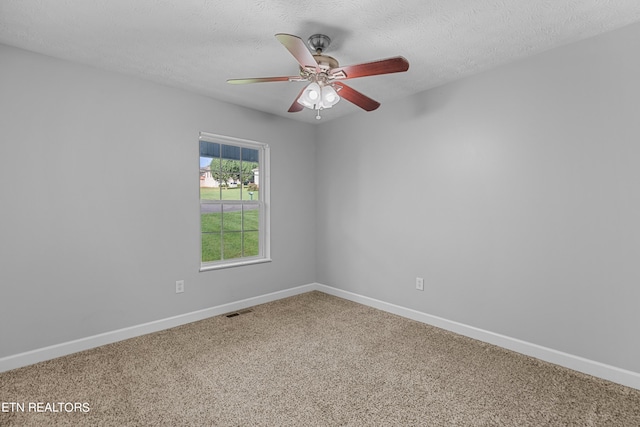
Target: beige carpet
[{"x": 310, "y": 360}]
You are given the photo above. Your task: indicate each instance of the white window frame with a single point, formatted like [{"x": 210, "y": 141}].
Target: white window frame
[{"x": 263, "y": 202}]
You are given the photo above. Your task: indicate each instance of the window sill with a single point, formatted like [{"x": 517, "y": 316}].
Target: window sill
[{"x": 233, "y": 264}]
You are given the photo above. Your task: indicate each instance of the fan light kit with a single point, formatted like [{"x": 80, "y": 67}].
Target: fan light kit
[{"x": 325, "y": 75}]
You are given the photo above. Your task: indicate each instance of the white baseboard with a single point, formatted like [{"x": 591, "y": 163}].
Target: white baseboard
[
  {"x": 66, "y": 348},
  {"x": 580, "y": 364},
  {"x": 576, "y": 363}
]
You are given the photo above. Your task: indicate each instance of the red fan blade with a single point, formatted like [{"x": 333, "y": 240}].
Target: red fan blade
[
  {"x": 296, "y": 106},
  {"x": 298, "y": 49},
  {"x": 356, "y": 97},
  {"x": 384, "y": 66},
  {"x": 262, "y": 80}
]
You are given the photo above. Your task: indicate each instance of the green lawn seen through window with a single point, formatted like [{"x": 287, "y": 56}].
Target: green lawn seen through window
[
  {"x": 229, "y": 235},
  {"x": 234, "y": 193}
]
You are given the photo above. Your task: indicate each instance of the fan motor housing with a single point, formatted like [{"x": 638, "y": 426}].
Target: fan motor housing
[{"x": 326, "y": 61}]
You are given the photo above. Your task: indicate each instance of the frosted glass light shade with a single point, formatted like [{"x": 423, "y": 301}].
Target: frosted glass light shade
[
  {"x": 310, "y": 97},
  {"x": 329, "y": 97}
]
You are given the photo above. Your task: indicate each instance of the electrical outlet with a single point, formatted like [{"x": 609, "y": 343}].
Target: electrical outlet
[
  {"x": 179, "y": 286},
  {"x": 420, "y": 283}
]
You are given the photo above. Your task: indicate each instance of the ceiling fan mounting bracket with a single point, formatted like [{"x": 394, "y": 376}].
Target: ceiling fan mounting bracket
[{"x": 318, "y": 43}]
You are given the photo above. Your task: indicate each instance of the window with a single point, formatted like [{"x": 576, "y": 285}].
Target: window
[{"x": 234, "y": 202}]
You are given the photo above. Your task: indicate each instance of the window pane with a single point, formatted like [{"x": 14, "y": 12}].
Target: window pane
[
  {"x": 250, "y": 155},
  {"x": 251, "y": 243},
  {"x": 210, "y": 218},
  {"x": 211, "y": 248},
  {"x": 232, "y": 242},
  {"x": 230, "y": 191},
  {"x": 232, "y": 217},
  {"x": 251, "y": 218},
  {"x": 249, "y": 172},
  {"x": 209, "y": 178},
  {"x": 209, "y": 149},
  {"x": 230, "y": 152},
  {"x": 229, "y": 174},
  {"x": 251, "y": 192}
]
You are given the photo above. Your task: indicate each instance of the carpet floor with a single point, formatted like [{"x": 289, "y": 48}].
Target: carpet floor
[{"x": 309, "y": 360}]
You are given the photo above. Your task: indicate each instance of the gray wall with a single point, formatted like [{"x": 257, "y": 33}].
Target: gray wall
[
  {"x": 99, "y": 202},
  {"x": 514, "y": 193}
]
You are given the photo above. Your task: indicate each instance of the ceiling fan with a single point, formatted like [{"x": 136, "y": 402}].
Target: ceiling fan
[{"x": 326, "y": 76}]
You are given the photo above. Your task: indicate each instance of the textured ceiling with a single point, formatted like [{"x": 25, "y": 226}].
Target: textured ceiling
[{"x": 199, "y": 44}]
